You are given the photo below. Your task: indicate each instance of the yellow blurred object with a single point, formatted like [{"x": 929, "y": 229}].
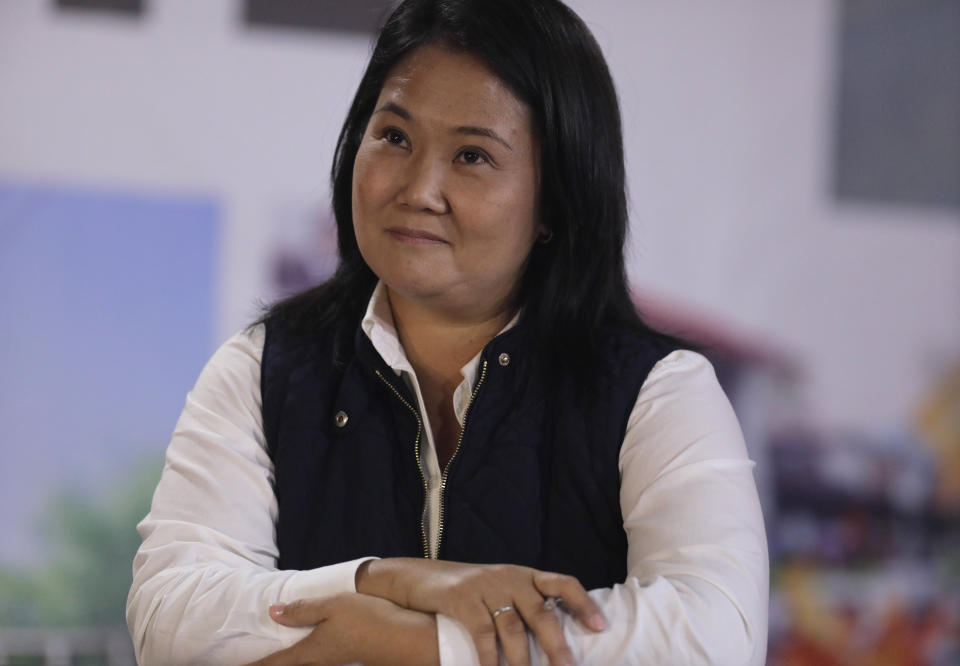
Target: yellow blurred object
[
  {"x": 938, "y": 423},
  {"x": 807, "y": 607},
  {"x": 827, "y": 632}
]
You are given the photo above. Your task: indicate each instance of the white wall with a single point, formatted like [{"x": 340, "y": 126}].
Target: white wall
[
  {"x": 185, "y": 100},
  {"x": 727, "y": 109},
  {"x": 728, "y": 123}
]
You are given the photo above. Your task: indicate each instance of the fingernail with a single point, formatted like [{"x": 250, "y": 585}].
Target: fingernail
[
  {"x": 597, "y": 622},
  {"x": 276, "y": 610}
]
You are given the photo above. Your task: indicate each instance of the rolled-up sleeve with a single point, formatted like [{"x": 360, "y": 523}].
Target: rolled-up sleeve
[
  {"x": 697, "y": 567},
  {"x": 205, "y": 574}
]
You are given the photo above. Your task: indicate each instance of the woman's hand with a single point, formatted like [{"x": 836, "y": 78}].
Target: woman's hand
[
  {"x": 355, "y": 628},
  {"x": 520, "y": 597}
]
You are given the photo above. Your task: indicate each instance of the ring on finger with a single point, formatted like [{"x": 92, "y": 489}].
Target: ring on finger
[
  {"x": 553, "y": 602},
  {"x": 502, "y": 609}
]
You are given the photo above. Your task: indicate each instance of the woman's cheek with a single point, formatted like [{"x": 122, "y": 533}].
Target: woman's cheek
[{"x": 373, "y": 174}]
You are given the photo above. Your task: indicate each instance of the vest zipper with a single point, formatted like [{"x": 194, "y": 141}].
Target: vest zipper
[
  {"x": 416, "y": 452},
  {"x": 446, "y": 470}
]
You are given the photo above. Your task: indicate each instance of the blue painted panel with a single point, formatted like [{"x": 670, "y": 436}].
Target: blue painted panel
[{"x": 106, "y": 318}]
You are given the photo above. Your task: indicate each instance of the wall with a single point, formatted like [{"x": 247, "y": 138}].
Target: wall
[
  {"x": 728, "y": 116},
  {"x": 728, "y": 121}
]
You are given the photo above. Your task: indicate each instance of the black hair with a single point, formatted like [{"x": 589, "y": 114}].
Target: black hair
[{"x": 548, "y": 58}]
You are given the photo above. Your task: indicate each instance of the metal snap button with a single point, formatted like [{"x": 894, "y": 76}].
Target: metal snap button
[
  {"x": 340, "y": 419},
  {"x": 504, "y": 359}
]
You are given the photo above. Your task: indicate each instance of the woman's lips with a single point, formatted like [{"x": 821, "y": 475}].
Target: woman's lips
[{"x": 415, "y": 236}]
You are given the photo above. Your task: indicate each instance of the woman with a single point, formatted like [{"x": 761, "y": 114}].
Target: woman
[{"x": 471, "y": 398}]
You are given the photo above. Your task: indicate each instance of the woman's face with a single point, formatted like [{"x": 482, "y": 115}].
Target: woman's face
[{"x": 445, "y": 185}]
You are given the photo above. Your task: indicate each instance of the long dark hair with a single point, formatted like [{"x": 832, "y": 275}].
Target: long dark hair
[{"x": 546, "y": 55}]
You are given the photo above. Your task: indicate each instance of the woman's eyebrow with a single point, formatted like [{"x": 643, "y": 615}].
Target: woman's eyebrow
[
  {"x": 481, "y": 131},
  {"x": 394, "y": 108},
  {"x": 470, "y": 130}
]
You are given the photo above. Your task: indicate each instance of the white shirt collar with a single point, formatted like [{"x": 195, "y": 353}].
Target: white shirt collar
[{"x": 379, "y": 326}]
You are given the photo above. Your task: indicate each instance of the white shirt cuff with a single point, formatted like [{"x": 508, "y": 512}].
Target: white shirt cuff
[
  {"x": 322, "y": 582},
  {"x": 455, "y": 644}
]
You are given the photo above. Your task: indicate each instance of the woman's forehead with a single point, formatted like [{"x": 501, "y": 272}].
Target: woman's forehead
[{"x": 438, "y": 83}]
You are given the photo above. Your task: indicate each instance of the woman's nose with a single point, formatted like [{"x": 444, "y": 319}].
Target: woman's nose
[{"x": 423, "y": 185}]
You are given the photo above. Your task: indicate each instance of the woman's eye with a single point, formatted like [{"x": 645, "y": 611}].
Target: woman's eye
[
  {"x": 474, "y": 157},
  {"x": 394, "y": 137}
]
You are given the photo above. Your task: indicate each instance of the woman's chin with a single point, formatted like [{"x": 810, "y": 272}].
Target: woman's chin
[{"x": 420, "y": 288}]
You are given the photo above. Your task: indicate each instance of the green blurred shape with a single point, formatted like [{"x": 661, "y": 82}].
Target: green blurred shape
[{"x": 90, "y": 543}]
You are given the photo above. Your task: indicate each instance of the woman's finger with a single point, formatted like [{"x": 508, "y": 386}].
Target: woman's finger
[
  {"x": 299, "y": 613},
  {"x": 539, "y": 615},
  {"x": 575, "y": 598},
  {"x": 479, "y": 623},
  {"x": 512, "y": 633}
]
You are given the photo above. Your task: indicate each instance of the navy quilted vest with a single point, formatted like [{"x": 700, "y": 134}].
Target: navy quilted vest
[{"x": 533, "y": 482}]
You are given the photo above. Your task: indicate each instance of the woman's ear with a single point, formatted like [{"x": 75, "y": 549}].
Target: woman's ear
[{"x": 545, "y": 235}]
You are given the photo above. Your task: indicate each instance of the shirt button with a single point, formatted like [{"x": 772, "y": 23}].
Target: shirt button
[
  {"x": 340, "y": 419},
  {"x": 504, "y": 359}
]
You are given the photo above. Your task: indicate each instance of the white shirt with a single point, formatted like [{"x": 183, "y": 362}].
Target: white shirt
[{"x": 697, "y": 585}]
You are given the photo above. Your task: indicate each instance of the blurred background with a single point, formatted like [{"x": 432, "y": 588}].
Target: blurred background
[{"x": 794, "y": 173}]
